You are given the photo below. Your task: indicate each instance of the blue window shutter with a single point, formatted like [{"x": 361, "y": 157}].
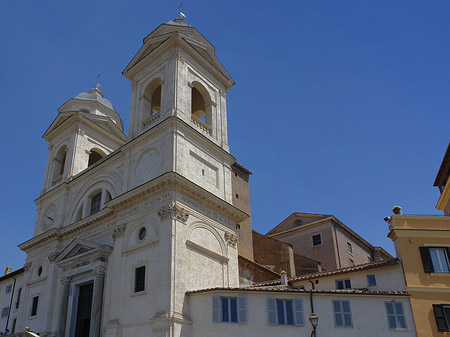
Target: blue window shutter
[
  {"x": 298, "y": 305},
  {"x": 242, "y": 308},
  {"x": 271, "y": 311},
  {"x": 216, "y": 309}
]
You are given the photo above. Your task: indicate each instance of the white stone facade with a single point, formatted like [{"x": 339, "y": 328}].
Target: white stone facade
[{"x": 130, "y": 224}]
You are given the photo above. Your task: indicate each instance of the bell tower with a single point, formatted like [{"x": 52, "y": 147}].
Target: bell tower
[{"x": 176, "y": 73}]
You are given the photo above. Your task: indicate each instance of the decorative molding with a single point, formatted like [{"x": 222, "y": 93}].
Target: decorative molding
[
  {"x": 231, "y": 239},
  {"x": 66, "y": 281},
  {"x": 179, "y": 213},
  {"x": 119, "y": 231},
  {"x": 52, "y": 257},
  {"x": 100, "y": 270},
  {"x": 223, "y": 93},
  {"x": 81, "y": 132},
  {"x": 27, "y": 266}
]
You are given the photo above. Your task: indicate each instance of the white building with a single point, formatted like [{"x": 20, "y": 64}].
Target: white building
[{"x": 131, "y": 230}]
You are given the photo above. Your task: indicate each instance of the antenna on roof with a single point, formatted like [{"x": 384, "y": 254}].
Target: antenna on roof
[
  {"x": 181, "y": 15},
  {"x": 98, "y": 81}
]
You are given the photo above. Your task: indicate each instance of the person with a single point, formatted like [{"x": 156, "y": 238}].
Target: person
[{"x": 7, "y": 333}]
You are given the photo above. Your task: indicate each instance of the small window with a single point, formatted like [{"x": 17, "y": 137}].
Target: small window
[
  {"x": 371, "y": 280},
  {"x": 8, "y": 289},
  {"x": 229, "y": 309},
  {"x": 316, "y": 240},
  {"x": 442, "y": 316},
  {"x": 352, "y": 263},
  {"x": 139, "y": 279},
  {"x": 343, "y": 284},
  {"x": 142, "y": 233},
  {"x": 342, "y": 314},
  {"x": 34, "y": 305},
  {"x": 19, "y": 293},
  {"x": 349, "y": 247},
  {"x": 395, "y": 315},
  {"x": 39, "y": 272},
  {"x": 285, "y": 311},
  {"x": 4, "y": 312},
  {"x": 237, "y": 196},
  {"x": 96, "y": 203}
]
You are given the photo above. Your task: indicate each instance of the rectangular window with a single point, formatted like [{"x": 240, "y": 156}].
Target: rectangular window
[
  {"x": 342, "y": 314},
  {"x": 316, "y": 240},
  {"x": 435, "y": 259},
  {"x": 395, "y": 315},
  {"x": 285, "y": 311},
  {"x": 349, "y": 247},
  {"x": 19, "y": 293},
  {"x": 8, "y": 289},
  {"x": 439, "y": 258},
  {"x": 139, "y": 279},
  {"x": 229, "y": 309},
  {"x": 34, "y": 306},
  {"x": 4, "y": 312},
  {"x": 343, "y": 284},
  {"x": 442, "y": 316},
  {"x": 96, "y": 203},
  {"x": 371, "y": 280}
]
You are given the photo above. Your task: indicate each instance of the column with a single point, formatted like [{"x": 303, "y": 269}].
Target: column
[
  {"x": 63, "y": 308},
  {"x": 97, "y": 301}
]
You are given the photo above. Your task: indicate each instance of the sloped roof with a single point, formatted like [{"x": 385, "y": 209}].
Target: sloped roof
[
  {"x": 285, "y": 289},
  {"x": 352, "y": 269},
  {"x": 443, "y": 168}
]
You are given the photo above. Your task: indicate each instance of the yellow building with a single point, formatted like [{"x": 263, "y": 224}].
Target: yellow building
[{"x": 422, "y": 243}]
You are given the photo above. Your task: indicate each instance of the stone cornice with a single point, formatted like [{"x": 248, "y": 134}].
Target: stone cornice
[{"x": 165, "y": 182}]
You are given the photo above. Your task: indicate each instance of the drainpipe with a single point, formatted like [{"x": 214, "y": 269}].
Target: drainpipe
[
  {"x": 10, "y": 302},
  {"x": 311, "y": 296}
]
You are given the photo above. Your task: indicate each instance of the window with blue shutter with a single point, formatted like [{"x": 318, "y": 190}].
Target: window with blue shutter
[
  {"x": 342, "y": 314},
  {"x": 285, "y": 311},
  {"x": 395, "y": 315},
  {"x": 229, "y": 309}
]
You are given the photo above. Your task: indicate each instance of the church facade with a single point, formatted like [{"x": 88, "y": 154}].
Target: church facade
[{"x": 142, "y": 235}]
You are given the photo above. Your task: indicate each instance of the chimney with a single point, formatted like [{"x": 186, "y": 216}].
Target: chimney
[
  {"x": 8, "y": 270},
  {"x": 284, "y": 281}
]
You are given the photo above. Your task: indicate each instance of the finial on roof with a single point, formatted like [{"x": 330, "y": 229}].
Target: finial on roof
[{"x": 397, "y": 210}]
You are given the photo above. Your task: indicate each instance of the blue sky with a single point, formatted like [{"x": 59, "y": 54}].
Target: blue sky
[{"x": 340, "y": 107}]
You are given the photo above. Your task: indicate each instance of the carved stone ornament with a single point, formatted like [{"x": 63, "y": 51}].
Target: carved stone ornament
[
  {"x": 52, "y": 256},
  {"x": 27, "y": 266},
  {"x": 231, "y": 239},
  {"x": 178, "y": 212},
  {"x": 81, "y": 131},
  {"x": 100, "y": 270},
  {"x": 119, "y": 231}
]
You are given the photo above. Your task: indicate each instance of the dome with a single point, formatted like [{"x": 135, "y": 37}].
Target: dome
[{"x": 95, "y": 95}]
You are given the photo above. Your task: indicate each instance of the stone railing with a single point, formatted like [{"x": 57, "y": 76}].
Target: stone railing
[
  {"x": 197, "y": 121},
  {"x": 151, "y": 120}
]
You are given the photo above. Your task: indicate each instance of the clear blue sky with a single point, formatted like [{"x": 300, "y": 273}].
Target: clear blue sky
[{"x": 340, "y": 107}]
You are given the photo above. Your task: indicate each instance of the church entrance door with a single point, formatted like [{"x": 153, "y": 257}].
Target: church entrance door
[{"x": 83, "y": 322}]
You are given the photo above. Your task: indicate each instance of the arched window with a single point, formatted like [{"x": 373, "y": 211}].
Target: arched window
[
  {"x": 58, "y": 164},
  {"x": 156, "y": 101},
  {"x": 201, "y": 108},
  {"x": 151, "y": 103},
  {"x": 96, "y": 202},
  {"x": 95, "y": 156},
  {"x": 198, "y": 105}
]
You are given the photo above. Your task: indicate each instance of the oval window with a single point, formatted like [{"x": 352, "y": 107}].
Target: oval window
[{"x": 142, "y": 233}]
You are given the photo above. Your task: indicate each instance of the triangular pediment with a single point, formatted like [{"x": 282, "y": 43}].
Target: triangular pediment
[
  {"x": 195, "y": 43},
  {"x": 80, "y": 248},
  {"x": 66, "y": 119},
  {"x": 298, "y": 220}
]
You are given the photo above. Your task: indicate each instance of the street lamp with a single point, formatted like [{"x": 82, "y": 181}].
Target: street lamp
[{"x": 314, "y": 319}]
